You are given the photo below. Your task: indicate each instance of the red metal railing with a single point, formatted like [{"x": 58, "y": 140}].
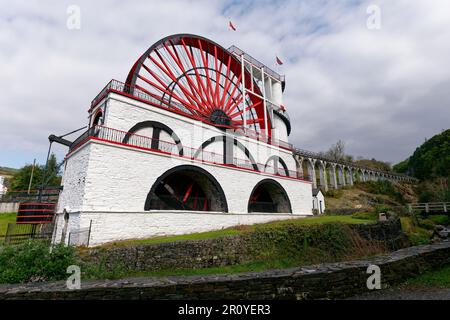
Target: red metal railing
[
  {"x": 115, "y": 136},
  {"x": 135, "y": 93}
]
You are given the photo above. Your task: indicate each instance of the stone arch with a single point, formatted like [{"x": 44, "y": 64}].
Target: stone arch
[
  {"x": 155, "y": 141},
  {"x": 186, "y": 187},
  {"x": 277, "y": 160},
  {"x": 340, "y": 171},
  {"x": 98, "y": 118},
  {"x": 330, "y": 171},
  {"x": 228, "y": 154},
  {"x": 321, "y": 177},
  {"x": 269, "y": 195}
]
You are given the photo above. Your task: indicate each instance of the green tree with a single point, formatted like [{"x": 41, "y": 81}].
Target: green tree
[
  {"x": 21, "y": 179},
  {"x": 402, "y": 167},
  {"x": 374, "y": 164}
]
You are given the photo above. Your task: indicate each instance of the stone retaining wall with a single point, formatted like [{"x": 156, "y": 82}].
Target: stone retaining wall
[
  {"x": 223, "y": 251},
  {"x": 329, "y": 281}
]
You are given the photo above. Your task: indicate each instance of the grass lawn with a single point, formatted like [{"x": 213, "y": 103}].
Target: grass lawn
[
  {"x": 6, "y": 218},
  {"x": 238, "y": 230},
  {"x": 433, "y": 279}
]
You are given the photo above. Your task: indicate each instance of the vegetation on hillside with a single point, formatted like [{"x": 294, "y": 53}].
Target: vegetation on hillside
[
  {"x": 273, "y": 245},
  {"x": 21, "y": 178},
  {"x": 431, "y": 164},
  {"x": 374, "y": 164},
  {"x": 430, "y": 160},
  {"x": 370, "y": 195},
  {"x": 33, "y": 261},
  {"x": 7, "y": 172},
  {"x": 278, "y": 244},
  {"x": 337, "y": 153}
]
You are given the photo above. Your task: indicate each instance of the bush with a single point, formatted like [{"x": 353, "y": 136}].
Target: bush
[
  {"x": 33, "y": 261},
  {"x": 310, "y": 244},
  {"x": 334, "y": 193},
  {"x": 365, "y": 216},
  {"x": 382, "y": 209},
  {"x": 426, "y": 224},
  {"x": 384, "y": 187},
  {"x": 440, "y": 219}
]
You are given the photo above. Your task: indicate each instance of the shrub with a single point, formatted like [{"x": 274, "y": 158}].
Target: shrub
[
  {"x": 334, "y": 193},
  {"x": 365, "y": 216},
  {"x": 426, "y": 224},
  {"x": 309, "y": 244},
  {"x": 382, "y": 209},
  {"x": 440, "y": 219},
  {"x": 33, "y": 261},
  {"x": 384, "y": 187}
]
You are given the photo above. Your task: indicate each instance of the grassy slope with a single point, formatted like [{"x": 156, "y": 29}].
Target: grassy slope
[
  {"x": 357, "y": 196},
  {"x": 7, "y": 172},
  {"x": 310, "y": 256},
  {"x": 6, "y": 218},
  {"x": 237, "y": 230},
  {"x": 433, "y": 279}
]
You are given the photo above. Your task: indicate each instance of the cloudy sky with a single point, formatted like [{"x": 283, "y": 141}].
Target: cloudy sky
[{"x": 381, "y": 90}]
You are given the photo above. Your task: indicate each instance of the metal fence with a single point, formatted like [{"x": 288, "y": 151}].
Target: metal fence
[
  {"x": 80, "y": 237},
  {"x": 103, "y": 133},
  {"x": 18, "y": 233}
]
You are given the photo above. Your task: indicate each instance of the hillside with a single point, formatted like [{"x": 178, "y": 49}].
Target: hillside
[
  {"x": 431, "y": 164},
  {"x": 370, "y": 195},
  {"x": 430, "y": 160},
  {"x": 7, "y": 172}
]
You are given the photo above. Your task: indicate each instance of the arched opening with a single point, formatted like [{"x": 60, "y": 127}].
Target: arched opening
[
  {"x": 228, "y": 145},
  {"x": 186, "y": 188},
  {"x": 273, "y": 166},
  {"x": 269, "y": 196},
  {"x": 162, "y": 137},
  {"x": 98, "y": 119}
]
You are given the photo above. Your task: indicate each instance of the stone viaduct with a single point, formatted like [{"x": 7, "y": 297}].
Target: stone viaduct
[{"x": 327, "y": 173}]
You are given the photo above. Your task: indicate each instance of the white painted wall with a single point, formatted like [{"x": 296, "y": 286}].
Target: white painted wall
[
  {"x": 108, "y": 184},
  {"x": 118, "y": 178},
  {"x": 123, "y": 113},
  {"x": 319, "y": 202},
  {"x": 113, "y": 226}
]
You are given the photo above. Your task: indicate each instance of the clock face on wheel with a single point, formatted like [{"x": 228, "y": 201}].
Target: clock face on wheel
[{"x": 199, "y": 78}]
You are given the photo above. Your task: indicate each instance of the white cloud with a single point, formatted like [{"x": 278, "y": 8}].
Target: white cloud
[{"x": 374, "y": 89}]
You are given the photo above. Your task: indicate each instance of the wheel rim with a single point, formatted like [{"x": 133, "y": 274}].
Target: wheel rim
[{"x": 201, "y": 79}]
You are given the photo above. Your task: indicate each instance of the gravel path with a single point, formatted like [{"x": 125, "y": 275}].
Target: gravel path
[{"x": 406, "y": 294}]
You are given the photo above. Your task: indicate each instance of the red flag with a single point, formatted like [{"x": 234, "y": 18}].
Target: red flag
[
  {"x": 232, "y": 27},
  {"x": 279, "y": 62}
]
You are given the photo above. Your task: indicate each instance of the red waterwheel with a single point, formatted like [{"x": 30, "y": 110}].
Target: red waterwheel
[{"x": 199, "y": 78}]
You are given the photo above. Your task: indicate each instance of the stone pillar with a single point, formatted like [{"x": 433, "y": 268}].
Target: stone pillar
[
  {"x": 312, "y": 172},
  {"x": 299, "y": 163},
  {"x": 361, "y": 176},
  {"x": 341, "y": 175},
  {"x": 333, "y": 178},
  {"x": 350, "y": 176},
  {"x": 323, "y": 176}
]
